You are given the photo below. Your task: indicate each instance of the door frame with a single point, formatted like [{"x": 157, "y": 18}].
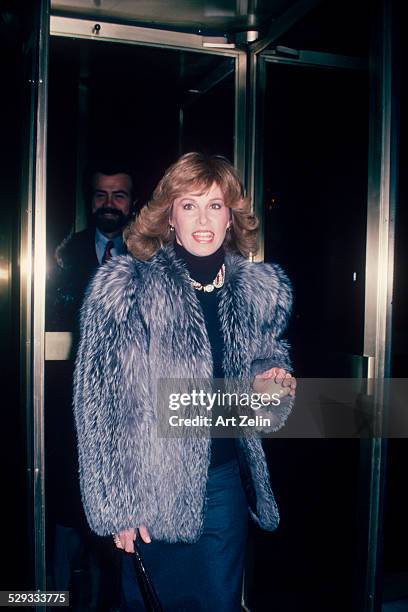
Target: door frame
[{"x": 32, "y": 256}]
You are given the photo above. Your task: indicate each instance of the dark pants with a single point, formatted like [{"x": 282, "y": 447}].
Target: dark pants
[{"x": 206, "y": 575}]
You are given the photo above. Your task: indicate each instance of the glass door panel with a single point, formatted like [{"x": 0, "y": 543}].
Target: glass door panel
[
  {"x": 208, "y": 113},
  {"x": 395, "y": 566},
  {"x": 315, "y": 202},
  {"x": 314, "y": 199}
]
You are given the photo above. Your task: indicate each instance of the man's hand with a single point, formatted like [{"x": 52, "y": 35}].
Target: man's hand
[
  {"x": 124, "y": 539},
  {"x": 275, "y": 380}
]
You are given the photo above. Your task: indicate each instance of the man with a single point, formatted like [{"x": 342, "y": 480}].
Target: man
[
  {"x": 82, "y": 562},
  {"x": 110, "y": 190}
]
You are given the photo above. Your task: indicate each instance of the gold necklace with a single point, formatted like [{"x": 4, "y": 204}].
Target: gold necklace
[{"x": 216, "y": 284}]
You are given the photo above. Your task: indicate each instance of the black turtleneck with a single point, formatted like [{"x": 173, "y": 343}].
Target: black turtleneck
[
  {"x": 201, "y": 268},
  {"x": 204, "y": 270}
]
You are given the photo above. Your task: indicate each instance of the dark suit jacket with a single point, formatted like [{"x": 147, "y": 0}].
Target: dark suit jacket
[{"x": 75, "y": 265}]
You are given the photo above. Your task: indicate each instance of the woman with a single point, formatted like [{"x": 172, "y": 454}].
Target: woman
[{"x": 185, "y": 305}]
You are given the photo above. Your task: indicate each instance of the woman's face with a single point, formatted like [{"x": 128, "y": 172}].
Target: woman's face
[{"x": 200, "y": 221}]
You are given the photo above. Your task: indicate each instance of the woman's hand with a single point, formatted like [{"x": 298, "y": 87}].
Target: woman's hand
[
  {"x": 124, "y": 539},
  {"x": 275, "y": 380}
]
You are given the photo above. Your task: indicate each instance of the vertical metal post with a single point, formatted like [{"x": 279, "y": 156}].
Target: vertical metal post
[
  {"x": 32, "y": 301},
  {"x": 39, "y": 276},
  {"x": 379, "y": 273},
  {"x": 25, "y": 259},
  {"x": 240, "y": 126},
  {"x": 38, "y": 291},
  {"x": 252, "y": 96},
  {"x": 256, "y": 96}
]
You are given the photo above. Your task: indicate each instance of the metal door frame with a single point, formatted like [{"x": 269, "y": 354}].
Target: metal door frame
[{"x": 32, "y": 282}]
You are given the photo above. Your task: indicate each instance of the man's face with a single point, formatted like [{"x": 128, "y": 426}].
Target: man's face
[{"x": 111, "y": 201}]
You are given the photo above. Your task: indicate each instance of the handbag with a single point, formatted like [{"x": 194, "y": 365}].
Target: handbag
[{"x": 149, "y": 594}]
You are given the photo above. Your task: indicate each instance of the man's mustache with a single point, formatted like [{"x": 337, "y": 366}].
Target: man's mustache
[{"x": 107, "y": 209}]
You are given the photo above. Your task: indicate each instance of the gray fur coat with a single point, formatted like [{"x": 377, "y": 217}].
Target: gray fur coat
[{"x": 141, "y": 321}]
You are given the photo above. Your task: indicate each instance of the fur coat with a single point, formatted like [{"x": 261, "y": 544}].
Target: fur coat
[{"x": 142, "y": 321}]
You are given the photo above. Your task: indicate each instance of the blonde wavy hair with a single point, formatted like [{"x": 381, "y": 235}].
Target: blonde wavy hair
[{"x": 193, "y": 172}]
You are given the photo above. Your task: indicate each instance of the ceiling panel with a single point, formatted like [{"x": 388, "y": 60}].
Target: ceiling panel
[{"x": 205, "y": 15}]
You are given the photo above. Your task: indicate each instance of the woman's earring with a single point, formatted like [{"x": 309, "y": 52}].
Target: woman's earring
[{"x": 171, "y": 228}]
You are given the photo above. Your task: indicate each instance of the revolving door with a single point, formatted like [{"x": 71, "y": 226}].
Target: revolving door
[{"x": 153, "y": 94}]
